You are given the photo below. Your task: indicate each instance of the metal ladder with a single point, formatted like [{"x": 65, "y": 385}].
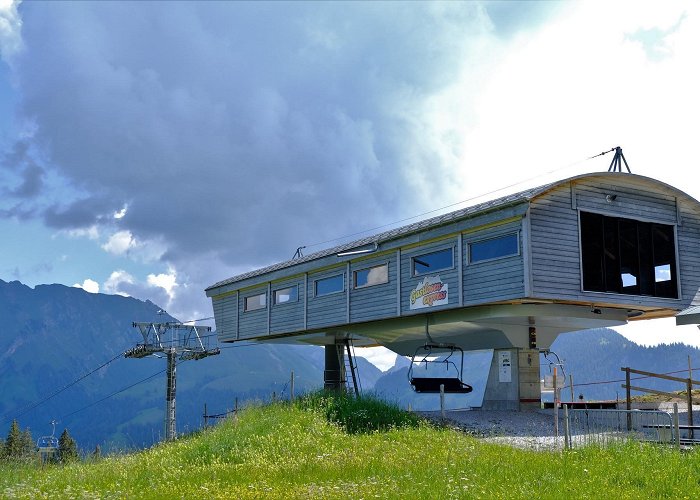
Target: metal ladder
[{"x": 351, "y": 366}]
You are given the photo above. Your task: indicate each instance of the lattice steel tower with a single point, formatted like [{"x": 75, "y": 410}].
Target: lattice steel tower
[{"x": 177, "y": 341}]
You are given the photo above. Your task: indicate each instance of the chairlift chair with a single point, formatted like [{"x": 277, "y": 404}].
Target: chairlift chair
[
  {"x": 47, "y": 446},
  {"x": 451, "y": 380},
  {"x": 47, "y": 443}
]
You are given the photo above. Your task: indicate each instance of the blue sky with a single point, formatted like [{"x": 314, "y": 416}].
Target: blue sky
[{"x": 153, "y": 148}]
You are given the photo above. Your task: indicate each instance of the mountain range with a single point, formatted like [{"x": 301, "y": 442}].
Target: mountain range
[
  {"x": 592, "y": 358},
  {"x": 55, "y": 337},
  {"x": 61, "y": 358}
]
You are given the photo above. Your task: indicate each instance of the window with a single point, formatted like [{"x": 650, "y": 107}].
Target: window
[
  {"x": 376, "y": 275},
  {"x": 326, "y": 286},
  {"x": 494, "y": 248},
  {"x": 255, "y": 302},
  {"x": 433, "y": 262},
  {"x": 628, "y": 256},
  {"x": 290, "y": 294}
]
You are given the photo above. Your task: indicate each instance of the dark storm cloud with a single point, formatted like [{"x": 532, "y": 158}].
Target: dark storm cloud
[
  {"x": 243, "y": 128},
  {"x": 80, "y": 213},
  {"x": 28, "y": 175},
  {"x": 15, "y": 157},
  {"x": 239, "y": 131},
  {"x": 32, "y": 182}
]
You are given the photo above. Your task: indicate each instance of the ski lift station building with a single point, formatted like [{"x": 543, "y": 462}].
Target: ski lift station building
[{"x": 596, "y": 250}]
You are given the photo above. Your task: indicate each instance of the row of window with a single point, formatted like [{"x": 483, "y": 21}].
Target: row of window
[
  {"x": 440, "y": 260},
  {"x": 618, "y": 255},
  {"x": 479, "y": 251}
]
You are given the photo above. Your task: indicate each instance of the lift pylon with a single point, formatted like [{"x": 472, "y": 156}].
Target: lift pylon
[{"x": 176, "y": 341}]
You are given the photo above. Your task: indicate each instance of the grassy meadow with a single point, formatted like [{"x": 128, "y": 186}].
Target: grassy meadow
[{"x": 322, "y": 447}]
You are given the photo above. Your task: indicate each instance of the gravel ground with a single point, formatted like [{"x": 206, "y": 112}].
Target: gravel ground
[{"x": 522, "y": 429}]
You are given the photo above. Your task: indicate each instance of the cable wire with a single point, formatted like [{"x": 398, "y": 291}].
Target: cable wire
[
  {"x": 34, "y": 404},
  {"x": 116, "y": 392},
  {"x": 450, "y": 205},
  {"x": 143, "y": 381}
]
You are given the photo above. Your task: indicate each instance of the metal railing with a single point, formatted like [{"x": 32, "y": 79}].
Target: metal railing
[{"x": 583, "y": 427}]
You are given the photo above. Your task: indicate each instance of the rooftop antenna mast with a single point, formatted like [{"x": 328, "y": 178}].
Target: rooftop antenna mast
[
  {"x": 185, "y": 343},
  {"x": 617, "y": 161}
]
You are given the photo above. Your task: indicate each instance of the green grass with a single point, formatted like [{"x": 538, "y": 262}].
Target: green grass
[
  {"x": 304, "y": 450},
  {"x": 358, "y": 415}
]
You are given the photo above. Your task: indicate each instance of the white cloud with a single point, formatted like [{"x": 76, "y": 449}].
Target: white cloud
[
  {"x": 124, "y": 243},
  {"x": 159, "y": 288},
  {"x": 660, "y": 331},
  {"x": 121, "y": 213},
  {"x": 10, "y": 29},
  {"x": 166, "y": 281},
  {"x": 563, "y": 94},
  {"x": 91, "y": 233},
  {"x": 120, "y": 243},
  {"x": 89, "y": 286},
  {"x": 116, "y": 280}
]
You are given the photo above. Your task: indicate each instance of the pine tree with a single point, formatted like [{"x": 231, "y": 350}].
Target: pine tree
[
  {"x": 13, "y": 447},
  {"x": 26, "y": 444},
  {"x": 67, "y": 449}
]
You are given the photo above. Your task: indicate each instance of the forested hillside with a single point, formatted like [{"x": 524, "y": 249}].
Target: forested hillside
[
  {"x": 54, "y": 335},
  {"x": 596, "y": 356}
]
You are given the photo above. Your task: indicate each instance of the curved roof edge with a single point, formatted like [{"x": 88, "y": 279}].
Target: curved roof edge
[
  {"x": 635, "y": 177},
  {"x": 447, "y": 218}
]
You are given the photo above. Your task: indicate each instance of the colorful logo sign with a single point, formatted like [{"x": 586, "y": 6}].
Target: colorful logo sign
[{"x": 428, "y": 293}]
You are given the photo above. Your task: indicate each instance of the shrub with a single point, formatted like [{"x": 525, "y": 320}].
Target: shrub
[{"x": 365, "y": 414}]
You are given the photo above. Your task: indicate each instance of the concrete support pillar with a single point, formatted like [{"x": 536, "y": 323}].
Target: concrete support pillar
[
  {"x": 334, "y": 371},
  {"x": 502, "y": 391},
  {"x": 514, "y": 380}
]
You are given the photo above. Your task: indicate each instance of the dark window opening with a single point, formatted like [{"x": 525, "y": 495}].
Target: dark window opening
[
  {"x": 628, "y": 256},
  {"x": 494, "y": 248},
  {"x": 332, "y": 284},
  {"x": 433, "y": 262}
]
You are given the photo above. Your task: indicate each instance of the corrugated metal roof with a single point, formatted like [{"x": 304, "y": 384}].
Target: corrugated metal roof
[{"x": 392, "y": 234}]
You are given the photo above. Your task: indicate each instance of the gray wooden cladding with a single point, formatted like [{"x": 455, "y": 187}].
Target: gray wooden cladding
[
  {"x": 555, "y": 247},
  {"x": 376, "y": 301},
  {"x": 689, "y": 256},
  {"x": 497, "y": 279},
  {"x": 226, "y": 314},
  {"x": 547, "y": 264}
]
